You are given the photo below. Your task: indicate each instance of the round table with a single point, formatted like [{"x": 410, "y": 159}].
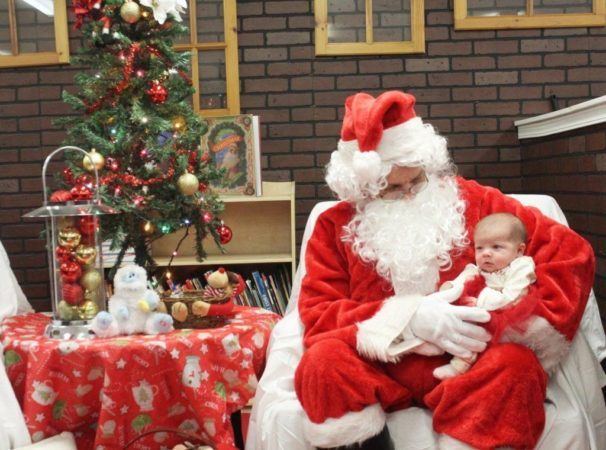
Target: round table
[{"x": 109, "y": 391}]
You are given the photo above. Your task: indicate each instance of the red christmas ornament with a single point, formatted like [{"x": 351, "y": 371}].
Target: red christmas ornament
[
  {"x": 139, "y": 200},
  {"x": 81, "y": 192},
  {"x": 225, "y": 233},
  {"x": 207, "y": 217},
  {"x": 64, "y": 254},
  {"x": 87, "y": 225},
  {"x": 112, "y": 164},
  {"x": 60, "y": 196},
  {"x": 205, "y": 157},
  {"x": 70, "y": 272},
  {"x": 73, "y": 294},
  {"x": 157, "y": 93},
  {"x": 84, "y": 179},
  {"x": 202, "y": 187},
  {"x": 87, "y": 239},
  {"x": 68, "y": 175}
]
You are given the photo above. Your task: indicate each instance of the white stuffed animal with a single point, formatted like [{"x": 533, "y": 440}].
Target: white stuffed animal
[{"x": 131, "y": 308}]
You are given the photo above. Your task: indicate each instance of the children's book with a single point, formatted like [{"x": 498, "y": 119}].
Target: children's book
[{"x": 233, "y": 143}]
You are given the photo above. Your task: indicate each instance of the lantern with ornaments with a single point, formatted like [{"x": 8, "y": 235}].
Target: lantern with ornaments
[{"x": 74, "y": 251}]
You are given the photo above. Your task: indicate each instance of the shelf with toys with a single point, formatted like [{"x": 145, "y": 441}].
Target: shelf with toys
[{"x": 263, "y": 239}]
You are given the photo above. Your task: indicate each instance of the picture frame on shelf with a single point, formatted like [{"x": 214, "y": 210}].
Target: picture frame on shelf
[{"x": 233, "y": 143}]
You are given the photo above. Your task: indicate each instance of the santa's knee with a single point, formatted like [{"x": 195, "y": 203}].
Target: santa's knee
[{"x": 512, "y": 357}]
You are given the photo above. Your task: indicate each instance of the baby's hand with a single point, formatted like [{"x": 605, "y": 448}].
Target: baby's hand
[
  {"x": 469, "y": 301},
  {"x": 446, "y": 285}
]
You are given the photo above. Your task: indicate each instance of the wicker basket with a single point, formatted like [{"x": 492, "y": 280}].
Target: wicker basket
[{"x": 193, "y": 321}]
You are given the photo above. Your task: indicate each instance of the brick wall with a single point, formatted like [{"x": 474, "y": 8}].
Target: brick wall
[
  {"x": 470, "y": 85},
  {"x": 572, "y": 168}
]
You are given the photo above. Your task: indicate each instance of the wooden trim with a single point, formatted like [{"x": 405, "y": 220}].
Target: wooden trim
[
  {"x": 12, "y": 27},
  {"x": 206, "y": 46},
  {"x": 415, "y": 45},
  {"x": 577, "y": 116},
  {"x": 61, "y": 34},
  {"x": 193, "y": 28},
  {"x": 195, "y": 78},
  {"x": 376, "y": 48},
  {"x": 232, "y": 82},
  {"x": 30, "y": 59},
  {"x": 531, "y": 20},
  {"x": 369, "y": 23},
  {"x": 321, "y": 26},
  {"x": 60, "y": 56}
]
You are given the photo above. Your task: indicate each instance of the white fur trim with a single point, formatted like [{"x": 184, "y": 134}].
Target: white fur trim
[
  {"x": 446, "y": 442},
  {"x": 383, "y": 337},
  {"x": 394, "y": 143},
  {"x": 351, "y": 428},
  {"x": 366, "y": 166},
  {"x": 543, "y": 339}
]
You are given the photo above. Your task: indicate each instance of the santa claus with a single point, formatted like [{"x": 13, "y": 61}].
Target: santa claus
[{"x": 375, "y": 326}]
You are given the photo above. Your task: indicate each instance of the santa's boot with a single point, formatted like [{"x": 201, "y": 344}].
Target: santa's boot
[{"x": 381, "y": 441}]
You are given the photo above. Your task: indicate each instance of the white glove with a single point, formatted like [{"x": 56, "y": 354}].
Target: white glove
[{"x": 448, "y": 326}]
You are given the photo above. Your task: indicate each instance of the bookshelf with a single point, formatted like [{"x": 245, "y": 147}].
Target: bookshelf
[{"x": 263, "y": 234}]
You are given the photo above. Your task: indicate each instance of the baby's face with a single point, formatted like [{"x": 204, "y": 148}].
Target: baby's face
[{"x": 495, "y": 250}]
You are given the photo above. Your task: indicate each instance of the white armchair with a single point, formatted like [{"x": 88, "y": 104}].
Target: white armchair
[{"x": 575, "y": 409}]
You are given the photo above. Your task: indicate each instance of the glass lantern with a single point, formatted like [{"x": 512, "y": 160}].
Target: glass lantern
[{"x": 75, "y": 257}]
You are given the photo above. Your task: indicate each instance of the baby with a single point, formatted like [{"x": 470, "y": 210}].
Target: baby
[{"x": 499, "y": 242}]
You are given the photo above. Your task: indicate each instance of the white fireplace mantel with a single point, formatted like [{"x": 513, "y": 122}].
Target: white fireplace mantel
[{"x": 582, "y": 115}]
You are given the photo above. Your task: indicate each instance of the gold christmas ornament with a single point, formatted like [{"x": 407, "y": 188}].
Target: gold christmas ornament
[
  {"x": 91, "y": 280},
  {"x": 66, "y": 221},
  {"x": 188, "y": 184},
  {"x": 145, "y": 14},
  {"x": 179, "y": 124},
  {"x": 88, "y": 310},
  {"x": 97, "y": 158},
  {"x": 69, "y": 237},
  {"x": 66, "y": 311},
  {"x": 85, "y": 254},
  {"x": 148, "y": 228},
  {"x": 92, "y": 296},
  {"x": 130, "y": 12}
]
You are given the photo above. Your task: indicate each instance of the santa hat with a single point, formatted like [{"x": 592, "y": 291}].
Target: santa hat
[{"x": 386, "y": 129}]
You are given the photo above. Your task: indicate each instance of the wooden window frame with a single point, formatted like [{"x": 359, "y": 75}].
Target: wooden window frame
[
  {"x": 465, "y": 22},
  {"x": 59, "y": 56},
  {"x": 415, "y": 45},
  {"x": 229, "y": 46}
]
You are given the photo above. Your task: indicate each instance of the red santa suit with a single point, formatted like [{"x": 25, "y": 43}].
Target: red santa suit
[{"x": 360, "y": 362}]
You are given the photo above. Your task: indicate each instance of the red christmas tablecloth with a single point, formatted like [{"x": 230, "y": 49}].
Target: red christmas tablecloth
[{"x": 108, "y": 391}]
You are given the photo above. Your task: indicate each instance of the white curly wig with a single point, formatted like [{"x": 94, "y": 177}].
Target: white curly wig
[{"x": 354, "y": 175}]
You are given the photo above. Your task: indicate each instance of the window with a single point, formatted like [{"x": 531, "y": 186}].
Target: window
[
  {"x": 33, "y": 33},
  {"x": 214, "y": 47},
  {"x": 369, "y": 27},
  {"x": 502, "y": 14}
]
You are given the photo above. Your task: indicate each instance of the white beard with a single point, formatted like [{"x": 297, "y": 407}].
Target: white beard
[{"x": 410, "y": 240}]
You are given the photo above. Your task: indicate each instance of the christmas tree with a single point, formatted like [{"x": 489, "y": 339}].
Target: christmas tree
[{"x": 139, "y": 127}]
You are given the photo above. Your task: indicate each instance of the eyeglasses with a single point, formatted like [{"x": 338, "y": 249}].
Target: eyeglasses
[{"x": 396, "y": 192}]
